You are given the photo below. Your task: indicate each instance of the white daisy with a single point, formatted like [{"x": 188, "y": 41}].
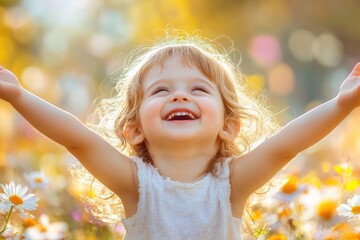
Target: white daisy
[
  {"x": 16, "y": 197},
  {"x": 290, "y": 190},
  {"x": 46, "y": 230},
  {"x": 351, "y": 209},
  {"x": 37, "y": 179},
  {"x": 2, "y": 207}
]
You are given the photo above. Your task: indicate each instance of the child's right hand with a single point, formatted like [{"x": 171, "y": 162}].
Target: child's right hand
[{"x": 9, "y": 85}]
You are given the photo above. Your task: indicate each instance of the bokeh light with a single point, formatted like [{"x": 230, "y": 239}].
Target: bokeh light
[
  {"x": 265, "y": 50},
  {"x": 281, "y": 79},
  {"x": 55, "y": 43},
  {"x": 328, "y": 50},
  {"x": 301, "y": 45},
  {"x": 7, "y": 54},
  {"x": 34, "y": 79},
  {"x": 256, "y": 82},
  {"x": 100, "y": 45}
]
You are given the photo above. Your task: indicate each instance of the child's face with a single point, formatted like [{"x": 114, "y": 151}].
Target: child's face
[{"x": 180, "y": 104}]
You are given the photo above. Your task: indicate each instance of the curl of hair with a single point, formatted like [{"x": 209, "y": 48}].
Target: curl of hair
[{"x": 114, "y": 114}]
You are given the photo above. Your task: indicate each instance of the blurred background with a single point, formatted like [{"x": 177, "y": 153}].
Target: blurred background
[{"x": 297, "y": 53}]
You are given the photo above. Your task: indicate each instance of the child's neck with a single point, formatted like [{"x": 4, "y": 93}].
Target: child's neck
[{"x": 187, "y": 165}]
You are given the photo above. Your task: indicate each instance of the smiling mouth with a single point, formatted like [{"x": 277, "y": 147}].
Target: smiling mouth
[{"x": 180, "y": 116}]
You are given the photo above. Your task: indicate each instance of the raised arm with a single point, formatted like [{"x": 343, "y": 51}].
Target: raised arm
[
  {"x": 60, "y": 126},
  {"x": 266, "y": 160},
  {"x": 100, "y": 158}
]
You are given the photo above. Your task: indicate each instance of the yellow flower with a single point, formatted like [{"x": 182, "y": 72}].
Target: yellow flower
[
  {"x": 16, "y": 197},
  {"x": 290, "y": 190},
  {"x": 28, "y": 222},
  {"x": 352, "y": 184},
  {"x": 256, "y": 214},
  {"x": 329, "y": 238},
  {"x": 277, "y": 236},
  {"x": 283, "y": 212},
  {"x": 290, "y": 186},
  {"x": 326, "y": 209},
  {"x": 46, "y": 230},
  {"x": 351, "y": 236},
  {"x": 344, "y": 169},
  {"x": 342, "y": 227},
  {"x": 332, "y": 181}
]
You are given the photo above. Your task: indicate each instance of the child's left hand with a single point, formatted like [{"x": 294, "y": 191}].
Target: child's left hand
[
  {"x": 9, "y": 85},
  {"x": 349, "y": 94}
]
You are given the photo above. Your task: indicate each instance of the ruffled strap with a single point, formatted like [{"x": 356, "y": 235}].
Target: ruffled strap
[
  {"x": 143, "y": 172},
  {"x": 222, "y": 169}
]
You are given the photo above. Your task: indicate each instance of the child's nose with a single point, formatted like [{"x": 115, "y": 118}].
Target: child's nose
[{"x": 180, "y": 96}]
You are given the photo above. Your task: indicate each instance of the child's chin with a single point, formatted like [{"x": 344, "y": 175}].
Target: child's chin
[{"x": 181, "y": 136}]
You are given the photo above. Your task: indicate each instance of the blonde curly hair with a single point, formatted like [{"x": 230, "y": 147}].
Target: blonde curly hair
[{"x": 113, "y": 115}]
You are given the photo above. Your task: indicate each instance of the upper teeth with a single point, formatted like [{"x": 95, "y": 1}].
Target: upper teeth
[{"x": 180, "y": 114}]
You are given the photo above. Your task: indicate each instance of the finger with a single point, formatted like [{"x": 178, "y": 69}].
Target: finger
[
  {"x": 356, "y": 70},
  {"x": 357, "y": 91}
]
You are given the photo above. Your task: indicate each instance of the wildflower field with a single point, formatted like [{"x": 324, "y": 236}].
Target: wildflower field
[
  {"x": 294, "y": 53},
  {"x": 318, "y": 192},
  {"x": 316, "y": 196}
]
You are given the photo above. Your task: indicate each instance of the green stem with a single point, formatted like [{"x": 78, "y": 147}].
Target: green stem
[{"x": 7, "y": 219}]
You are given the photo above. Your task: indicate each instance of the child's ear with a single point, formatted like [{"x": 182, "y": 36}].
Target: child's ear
[
  {"x": 230, "y": 129},
  {"x": 133, "y": 134}
]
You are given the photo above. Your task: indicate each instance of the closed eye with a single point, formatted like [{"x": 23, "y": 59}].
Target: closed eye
[
  {"x": 161, "y": 89},
  {"x": 202, "y": 89}
]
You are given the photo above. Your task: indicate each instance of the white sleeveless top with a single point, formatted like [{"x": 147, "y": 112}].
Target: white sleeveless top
[{"x": 170, "y": 209}]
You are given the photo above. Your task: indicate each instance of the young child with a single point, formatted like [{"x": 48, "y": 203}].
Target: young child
[{"x": 198, "y": 146}]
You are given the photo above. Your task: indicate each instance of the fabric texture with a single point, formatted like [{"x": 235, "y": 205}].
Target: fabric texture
[{"x": 170, "y": 209}]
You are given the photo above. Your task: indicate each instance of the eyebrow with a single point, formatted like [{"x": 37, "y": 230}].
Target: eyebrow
[{"x": 196, "y": 79}]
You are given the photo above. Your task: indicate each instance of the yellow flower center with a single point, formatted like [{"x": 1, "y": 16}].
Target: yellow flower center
[
  {"x": 332, "y": 181},
  {"x": 41, "y": 228},
  {"x": 29, "y": 222},
  {"x": 342, "y": 227},
  {"x": 38, "y": 180},
  {"x": 351, "y": 236},
  {"x": 16, "y": 200},
  {"x": 256, "y": 215},
  {"x": 284, "y": 213},
  {"x": 326, "y": 209},
  {"x": 355, "y": 210},
  {"x": 277, "y": 237},
  {"x": 290, "y": 186}
]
